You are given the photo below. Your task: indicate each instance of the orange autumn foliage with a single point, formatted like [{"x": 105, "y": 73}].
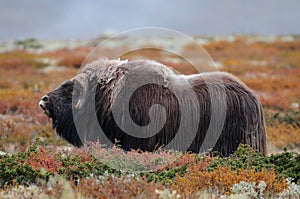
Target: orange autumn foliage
[{"x": 223, "y": 178}]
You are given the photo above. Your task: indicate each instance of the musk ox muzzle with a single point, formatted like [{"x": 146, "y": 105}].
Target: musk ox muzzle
[{"x": 210, "y": 111}]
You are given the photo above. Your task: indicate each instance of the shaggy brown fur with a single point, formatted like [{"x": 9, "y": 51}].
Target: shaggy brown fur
[{"x": 244, "y": 122}]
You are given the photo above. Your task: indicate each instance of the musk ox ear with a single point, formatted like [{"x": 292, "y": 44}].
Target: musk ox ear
[{"x": 81, "y": 86}]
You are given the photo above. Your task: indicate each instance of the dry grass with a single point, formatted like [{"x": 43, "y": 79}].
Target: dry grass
[{"x": 223, "y": 178}]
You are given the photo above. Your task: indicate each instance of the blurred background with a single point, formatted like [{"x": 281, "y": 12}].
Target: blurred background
[
  {"x": 72, "y": 20},
  {"x": 43, "y": 43}
]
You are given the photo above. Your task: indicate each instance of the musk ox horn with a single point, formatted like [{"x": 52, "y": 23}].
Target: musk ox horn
[{"x": 82, "y": 84}]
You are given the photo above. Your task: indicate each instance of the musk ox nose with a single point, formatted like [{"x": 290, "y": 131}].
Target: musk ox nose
[{"x": 44, "y": 104}]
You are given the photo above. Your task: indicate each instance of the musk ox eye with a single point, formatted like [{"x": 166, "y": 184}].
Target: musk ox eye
[{"x": 45, "y": 98}]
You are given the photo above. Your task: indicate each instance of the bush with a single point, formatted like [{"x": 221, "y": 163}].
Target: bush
[
  {"x": 27, "y": 167},
  {"x": 15, "y": 170},
  {"x": 285, "y": 164}
]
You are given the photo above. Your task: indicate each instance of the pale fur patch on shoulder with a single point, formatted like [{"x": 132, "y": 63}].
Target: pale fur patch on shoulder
[{"x": 102, "y": 64}]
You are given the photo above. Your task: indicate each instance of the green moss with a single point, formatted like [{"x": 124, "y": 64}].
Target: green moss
[
  {"x": 285, "y": 164},
  {"x": 167, "y": 175},
  {"x": 14, "y": 170}
]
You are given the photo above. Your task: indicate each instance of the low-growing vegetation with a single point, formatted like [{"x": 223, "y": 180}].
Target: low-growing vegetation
[
  {"x": 35, "y": 163},
  {"x": 187, "y": 175}
]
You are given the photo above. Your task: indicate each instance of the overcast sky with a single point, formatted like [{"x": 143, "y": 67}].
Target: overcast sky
[{"x": 74, "y": 19}]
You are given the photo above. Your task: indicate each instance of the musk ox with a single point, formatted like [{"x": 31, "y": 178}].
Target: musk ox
[{"x": 89, "y": 107}]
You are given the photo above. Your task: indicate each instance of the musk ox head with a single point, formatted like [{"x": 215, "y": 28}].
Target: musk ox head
[
  {"x": 100, "y": 86},
  {"x": 57, "y": 105},
  {"x": 61, "y": 103}
]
